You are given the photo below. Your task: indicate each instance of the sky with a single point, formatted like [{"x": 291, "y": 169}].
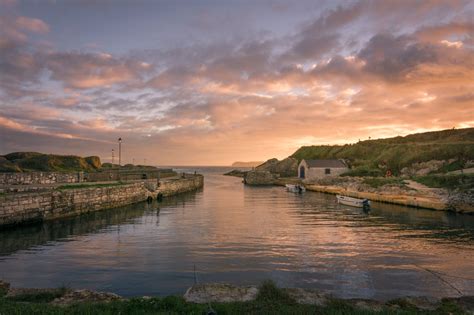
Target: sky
[{"x": 213, "y": 82}]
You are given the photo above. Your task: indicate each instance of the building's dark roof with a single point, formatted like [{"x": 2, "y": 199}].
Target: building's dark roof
[{"x": 325, "y": 163}]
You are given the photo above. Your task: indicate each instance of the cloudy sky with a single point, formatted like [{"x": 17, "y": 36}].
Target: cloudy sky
[{"x": 212, "y": 82}]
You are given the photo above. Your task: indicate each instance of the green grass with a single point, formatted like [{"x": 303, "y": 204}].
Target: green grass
[
  {"x": 458, "y": 181},
  {"x": 270, "y": 300},
  {"x": 377, "y": 182},
  {"x": 81, "y": 186},
  {"x": 177, "y": 305},
  {"x": 397, "y": 153}
]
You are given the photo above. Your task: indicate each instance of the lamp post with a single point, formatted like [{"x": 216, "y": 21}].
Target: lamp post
[
  {"x": 113, "y": 157},
  {"x": 120, "y": 151}
]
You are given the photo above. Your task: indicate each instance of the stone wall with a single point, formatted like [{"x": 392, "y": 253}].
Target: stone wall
[
  {"x": 39, "y": 178},
  {"x": 23, "y": 207},
  {"x": 316, "y": 172},
  {"x": 35, "y": 178},
  {"x": 260, "y": 178}
]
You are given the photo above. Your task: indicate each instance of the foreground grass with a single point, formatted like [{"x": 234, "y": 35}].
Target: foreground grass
[
  {"x": 270, "y": 300},
  {"x": 177, "y": 305}
]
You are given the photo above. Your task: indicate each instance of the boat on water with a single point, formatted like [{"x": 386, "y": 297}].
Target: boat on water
[
  {"x": 295, "y": 188},
  {"x": 354, "y": 202}
]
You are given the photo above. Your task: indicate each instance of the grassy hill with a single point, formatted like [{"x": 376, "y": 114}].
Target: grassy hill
[
  {"x": 34, "y": 161},
  {"x": 373, "y": 157}
]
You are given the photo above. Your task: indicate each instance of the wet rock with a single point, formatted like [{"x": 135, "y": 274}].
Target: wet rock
[
  {"x": 308, "y": 296},
  {"x": 80, "y": 296},
  {"x": 219, "y": 292}
]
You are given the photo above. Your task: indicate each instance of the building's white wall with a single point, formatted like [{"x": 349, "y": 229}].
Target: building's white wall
[{"x": 315, "y": 173}]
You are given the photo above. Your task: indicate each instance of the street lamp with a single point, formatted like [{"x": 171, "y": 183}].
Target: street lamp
[{"x": 120, "y": 151}]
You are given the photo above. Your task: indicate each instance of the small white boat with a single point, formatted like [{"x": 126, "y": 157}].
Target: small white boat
[
  {"x": 295, "y": 188},
  {"x": 354, "y": 202}
]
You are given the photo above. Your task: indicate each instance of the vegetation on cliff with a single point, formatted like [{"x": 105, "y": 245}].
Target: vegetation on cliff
[
  {"x": 34, "y": 161},
  {"x": 374, "y": 157}
]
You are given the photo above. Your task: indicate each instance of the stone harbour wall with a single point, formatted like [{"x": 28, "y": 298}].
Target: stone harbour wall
[
  {"x": 260, "y": 178},
  {"x": 179, "y": 185},
  {"x": 35, "y": 178},
  {"x": 16, "y": 208}
]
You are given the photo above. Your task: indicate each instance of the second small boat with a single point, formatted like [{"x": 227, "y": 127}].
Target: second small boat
[{"x": 354, "y": 202}]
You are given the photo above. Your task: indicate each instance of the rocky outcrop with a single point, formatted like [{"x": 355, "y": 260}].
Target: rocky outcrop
[
  {"x": 461, "y": 201},
  {"x": 219, "y": 292},
  {"x": 85, "y": 296},
  {"x": 424, "y": 168},
  {"x": 285, "y": 168},
  {"x": 260, "y": 178},
  {"x": 236, "y": 173}
]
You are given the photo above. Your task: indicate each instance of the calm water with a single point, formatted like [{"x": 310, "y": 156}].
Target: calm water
[{"x": 243, "y": 235}]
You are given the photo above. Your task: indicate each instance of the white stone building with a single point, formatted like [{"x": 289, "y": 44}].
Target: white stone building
[{"x": 313, "y": 169}]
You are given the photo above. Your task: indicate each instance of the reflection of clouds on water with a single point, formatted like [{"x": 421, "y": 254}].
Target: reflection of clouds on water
[{"x": 240, "y": 234}]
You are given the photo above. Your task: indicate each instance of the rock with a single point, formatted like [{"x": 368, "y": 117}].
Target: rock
[
  {"x": 308, "y": 296},
  {"x": 461, "y": 201},
  {"x": 79, "y": 296},
  {"x": 285, "y": 168},
  {"x": 367, "y": 305},
  {"x": 236, "y": 173},
  {"x": 4, "y": 287},
  {"x": 260, "y": 178},
  {"x": 423, "y": 168},
  {"x": 219, "y": 292}
]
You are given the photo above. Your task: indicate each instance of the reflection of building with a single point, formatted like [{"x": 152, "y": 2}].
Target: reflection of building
[{"x": 311, "y": 169}]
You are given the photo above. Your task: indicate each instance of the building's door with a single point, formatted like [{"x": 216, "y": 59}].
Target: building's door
[{"x": 302, "y": 172}]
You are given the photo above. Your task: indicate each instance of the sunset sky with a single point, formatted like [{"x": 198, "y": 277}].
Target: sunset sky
[{"x": 213, "y": 82}]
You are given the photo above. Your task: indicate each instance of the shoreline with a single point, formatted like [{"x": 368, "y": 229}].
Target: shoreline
[
  {"x": 223, "y": 298},
  {"x": 426, "y": 198}
]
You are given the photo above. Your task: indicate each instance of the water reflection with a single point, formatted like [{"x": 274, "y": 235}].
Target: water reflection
[{"x": 243, "y": 235}]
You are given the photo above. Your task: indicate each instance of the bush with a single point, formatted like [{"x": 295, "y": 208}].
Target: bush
[
  {"x": 382, "y": 181},
  {"x": 364, "y": 171}
]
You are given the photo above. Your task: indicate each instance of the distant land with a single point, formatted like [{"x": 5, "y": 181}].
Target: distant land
[{"x": 247, "y": 164}]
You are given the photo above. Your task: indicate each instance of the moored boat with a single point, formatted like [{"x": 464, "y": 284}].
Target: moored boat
[
  {"x": 354, "y": 202},
  {"x": 295, "y": 188}
]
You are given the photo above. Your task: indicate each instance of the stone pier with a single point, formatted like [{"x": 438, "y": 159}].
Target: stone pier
[{"x": 62, "y": 201}]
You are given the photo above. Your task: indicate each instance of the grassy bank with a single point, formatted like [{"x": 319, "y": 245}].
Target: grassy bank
[
  {"x": 396, "y": 153},
  {"x": 270, "y": 300}
]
